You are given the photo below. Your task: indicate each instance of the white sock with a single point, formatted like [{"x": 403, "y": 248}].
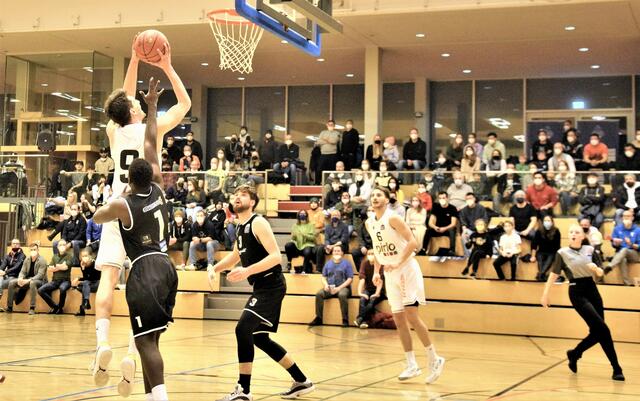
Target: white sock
[
  {"x": 411, "y": 358},
  {"x": 160, "y": 393},
  {"x": 431, "y": 353},
  {"x": 132, "y": 351},
  {"x": 148, "y": 397},
  {"x": 102, "y": 331}
]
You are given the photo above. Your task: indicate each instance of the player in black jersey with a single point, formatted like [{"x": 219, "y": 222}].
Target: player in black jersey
[
  {"x": 258, "y": 252},
  {"x": 152, "y": 284}
]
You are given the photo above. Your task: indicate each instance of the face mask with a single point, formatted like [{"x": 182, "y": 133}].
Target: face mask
[
  {"x": 562, "y": 169},
  {"x": 34, "y": 254},
  {"x": 594, "y": 142},
  {"x": 200, "y": 220},
  {"x": 383, "y": 169},
  {"x": 547, "y": 225},
  {"x": 567, "y": 127},
  {"x": 585, "y": 229},
  {"x": 628, "y": 153},
  {"x": 415, "y": 204},
  {"x": 345, "y": 200},
  {"x": 470, "y": 202},
  {"x": 592, "y": 181},
  {"x": 491, "y": 141},
  {"x": 243, "y": 132},
  {"x": 377, "y": 142},
  {"x": 288, "y": 142},
  {"x": 365, "y": 167},
  {"x": 178, "y": 220},
  {"x": 519, "y": 200},
  {"x": 470, "y": 153},
  {"x": 480, "y": 228},
  {"x": 15, "y": 249},
  {"x": 458, "y": 182},
  {"x": 442, "y": 202},
  {"x": 359, "y": 178},
  {"x": 537, "y": 181},
  {"x": 557, "y": 151},
  {"x": 422, "y": 190},
  {"x": 458, "y": 141},
  {"x": 335, "y": 187},
  {"x": 103, "y": 158},
  {"x": 349, "y": 126},
  {"x": 73, "y": 213},
  {"x": 267, "y": 138},
  {"x": 371, "y": 258},
  {"x": 386, "y": 145},
  {"x": 392, "y": 186},
  {"x": 234, "y": 140},
  {"x": 393, "y": 201},
  {"x": 571, "y": 139},
  {"x": 337, "y": 258},
  {"x": 335, "y": 220},
  {"x": 627, "y": 222},
  {"x": 630, "y": 184},
  {"x": 413, "y": 137},
  {"x": 187, "y": 154},
  {"x": 542, "y": 138},
  {"x": 442, "y": 160},
  {"x": 428, "y": 179},
  {"x": 303, "y": 217}
]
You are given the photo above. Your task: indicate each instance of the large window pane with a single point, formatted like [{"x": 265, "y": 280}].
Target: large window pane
[
  {"x": 398, "y": 110},
  {"x": 450, "y": 111},
  {"x": 265, "y": 110},
  {"x": 308, "y": 115},
  {"x": 499, "y": 110},
  {"x": 348, "y": 104},
  {"x": 224, "y": 115},
  {"x": 579, "y": 93}
]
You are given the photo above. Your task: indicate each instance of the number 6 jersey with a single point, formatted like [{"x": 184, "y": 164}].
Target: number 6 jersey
[
  {"x": 387, "y": 243},
  {"x": 127, "y": 144}
]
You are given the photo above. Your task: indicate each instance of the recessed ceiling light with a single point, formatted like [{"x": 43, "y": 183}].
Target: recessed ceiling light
[
  {"x": 595, "y": 67},
  {"x": 284, "y": 42},
  {"x": 569, "y": 28},
  {"x": 350, "y": 75},
  {"x": 241, "y": 78},
  {"x": 45, "y": 85},
  {"x": 583, "y": 49},
  {"x": 446, "y": 55},
  {"x": 320, "y": 60},
  {"x": 466, "y": 71},
  {"x": 204, "y": 64},
  {"x": 140, "y": 81},
  {"x": 420, "y": 35}
]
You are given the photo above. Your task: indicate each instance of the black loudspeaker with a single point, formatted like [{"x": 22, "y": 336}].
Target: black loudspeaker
[{"x": 46, "y": 141}]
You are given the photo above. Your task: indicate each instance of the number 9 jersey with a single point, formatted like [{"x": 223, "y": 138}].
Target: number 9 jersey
[{"x": 127, "y": 144}]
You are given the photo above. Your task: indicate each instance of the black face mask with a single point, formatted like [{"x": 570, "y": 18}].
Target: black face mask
[
  {"x": 496, "y": 157},
  {"x": 585, "y": 229},
  {"x": 393, "y": 201},
  {"x": 234, "y": 140},
  {"x": 378, "y": 142}
]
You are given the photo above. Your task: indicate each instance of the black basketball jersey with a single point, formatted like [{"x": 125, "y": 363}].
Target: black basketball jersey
[
  {"x": 149, "y": 230},
  {"x": 252, "y": 251}
]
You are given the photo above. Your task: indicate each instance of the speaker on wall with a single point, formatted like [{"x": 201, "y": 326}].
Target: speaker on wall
[{"x": 46, "y": 141}]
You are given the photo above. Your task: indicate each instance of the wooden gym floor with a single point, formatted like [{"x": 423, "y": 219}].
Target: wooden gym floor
[{"x": 47, "y": 357}]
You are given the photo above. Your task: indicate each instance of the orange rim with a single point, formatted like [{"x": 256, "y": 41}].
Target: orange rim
[{"x": 229, "y": 11}]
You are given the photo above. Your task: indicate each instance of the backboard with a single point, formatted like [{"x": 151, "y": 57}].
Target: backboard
[{"x": 298, "y": 22}]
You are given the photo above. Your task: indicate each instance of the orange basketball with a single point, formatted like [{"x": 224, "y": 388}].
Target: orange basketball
[{"x": 147, "y": 44}]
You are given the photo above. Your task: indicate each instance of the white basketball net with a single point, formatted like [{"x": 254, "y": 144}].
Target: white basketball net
[{"x": 237, "y": 40}]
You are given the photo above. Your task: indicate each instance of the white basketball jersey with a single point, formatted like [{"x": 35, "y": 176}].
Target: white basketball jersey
[
  {"x": 127, "y": 144},
  {"x": 387, "y": 243}
]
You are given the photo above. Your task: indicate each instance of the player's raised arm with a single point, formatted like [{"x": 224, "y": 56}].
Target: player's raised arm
[
  {"x": 131, "y": 77},
  {"x": 176, "y": 113},
  {"x": 114, "y": 210},
  {"x": 151, "y": 130}
]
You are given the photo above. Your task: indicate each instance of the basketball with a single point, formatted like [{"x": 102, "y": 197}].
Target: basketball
[{"x": 147, "y": 44}]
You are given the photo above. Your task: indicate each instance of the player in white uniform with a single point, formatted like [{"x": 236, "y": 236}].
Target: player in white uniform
[
  {"x": 126, "y": 138},
  {"x": 394, "y": 248}
]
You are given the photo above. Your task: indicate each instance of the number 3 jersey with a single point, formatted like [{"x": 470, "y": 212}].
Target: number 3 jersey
[
  {"x": 127, "y": 144},
  {"x": 387, "y": 243},
  {"x": 149, "y": 230}
]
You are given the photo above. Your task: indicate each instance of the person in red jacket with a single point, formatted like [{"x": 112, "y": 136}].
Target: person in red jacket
[{"x": 542, "y": 196}]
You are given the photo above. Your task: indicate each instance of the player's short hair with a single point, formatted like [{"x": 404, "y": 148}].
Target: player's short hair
[
  {"x": 384, "y": 190},
  {"x": 140, "y": 173},
  {"x": 248, "y": 189},
  {"x": 118, "y": 107}
]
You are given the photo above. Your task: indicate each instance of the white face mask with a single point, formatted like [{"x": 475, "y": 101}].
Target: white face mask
[
  {"x": 571, "y": 139},
  {"x": 413, "y": 137},
  {"x": 288, "y": 142},
  {"x": 537, "y": 181},
  {"x": 594, "y": 142},
  {"x": 392, "y": 186},
  {"x": 562, "y": 168},
  {"x": 337, "y": 258},
  {"x": 557, "y": 151},
  {"x": 73, "y": 213},
  {"x": 200, "y": 220},
  {"x": 335, "y": 187},
  {"x": 547, "y": 225},
  {"x": 458, "y": 182},
  {"x": 365, "y": 167},
  {"x": 442, "y": 202},
  {"x": 359, "y": 178},
  {"x": 34, "y": 254},
  {"x": 422, "y": 190},
  {"x": 592, "y": 181},
  {"x": 441, "y": 160},
  {"x": 458, "y": 141},
  {"x": 491, "y": 141},
  {"x": 386, "y": 145},
  {"x": 415, "y": 204},
  {"x": 345, "y": 201},
  {"x": 178, "y": 220},
  {"x": 470, "y": 152},
  {"x": 627, "y": 222},
  {"x": 383, "y": 169},
  {"x": 371, "y": 258},
  {"x": 470, "y": 202},
  {"x": 628, "y": 153}
]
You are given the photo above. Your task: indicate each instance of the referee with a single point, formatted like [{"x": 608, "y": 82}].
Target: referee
[{"x": 579, "y": 263}]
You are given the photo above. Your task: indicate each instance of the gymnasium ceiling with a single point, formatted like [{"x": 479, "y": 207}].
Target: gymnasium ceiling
[{"x": 492, "y": 42}]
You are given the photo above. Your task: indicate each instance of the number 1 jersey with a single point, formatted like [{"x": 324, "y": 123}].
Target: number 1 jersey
[
  {"x": 127, "y": 144},
  {"x": 387, "y": 243}
]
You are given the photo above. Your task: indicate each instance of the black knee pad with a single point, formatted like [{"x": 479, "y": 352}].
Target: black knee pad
[
  {"x": 244, "y": 336},
  {"x": 270, "y": 347}
]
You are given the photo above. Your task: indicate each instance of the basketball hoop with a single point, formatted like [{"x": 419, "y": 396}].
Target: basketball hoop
[{"x": 237, "y": 39}]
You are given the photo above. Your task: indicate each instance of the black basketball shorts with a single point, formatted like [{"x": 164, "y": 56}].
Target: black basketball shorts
[{"x": 266, "y": 304}]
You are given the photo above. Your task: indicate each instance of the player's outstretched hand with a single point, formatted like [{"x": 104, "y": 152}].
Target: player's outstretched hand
[
  {"x": 165, "y": 58},
  {"x": 134, "y": 55},
  {"x": 152, "y": 95},
  {"x": 238, "y": 274}
]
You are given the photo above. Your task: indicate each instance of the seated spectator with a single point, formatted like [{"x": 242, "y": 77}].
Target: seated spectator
[
  {"x": 383, "y": 177},
  {"x": 542, "y": 144},
  {"x": 390, "y": 154},
  {"x": 440, "y": 168},
  {"x": 345, "y": 178},
  {"x": 101, "y": 191},
  {"x": 472, "y": 140},
  {"x": 627, "y": 197},
  {"x": 213, "y": 183},
  {"x": 316, "y": 214},
  {"x": 495, "y": 167},
  {"x": 470, "y": 167},
  {"x": 523, "y": 164},
  {"x": 574, "y": 148},
  {"x": 360, "y": 190},
  {"x": 224, "y": 164},
  {"x": 370, "y": 294},
  {"x": 60, "y": 265},
  {"x": 626, "y": 240},
  {"x": 288, "y": 171},
  {"x": 457, "y": 192},
  {"x": 425, "y": 197},
  {"x": 454, "y": 151},
  {"x": 469, "y": 215},
  {"x": 525, "y": 216},
  {"x": 596, "y": 153},
  {"x": 11, "y": 265},
  {"x": 195, "y": 145},
  {"x": 336, "y": 235},
  {"x": 174, "y": 152},
  {"x": 195, "y": 200},
  {"x": 442, "y": 222},
  {"x": 396, "y": 206},
  {"x": 416, "y": 217},
  {"x": 193, "y": 173},
  {"x": 541, "y": 162},
  {"x": 526, "y": 180},
  {"x": 509, "y": 250},
  {"x": 508, "y": 184},
  {"x": 180, "y": 236},
  {"x": 560, "y": 156},
  {"x": 303, "y": 234},
  {"x": 337, "y": 275},
  {"x": 90, "y": 179},
  {"x": 492, "y": 144},
  {"x": 288, "y": 150},
  {"x": 481, "y": 244},
  {"x": 374, "y": 153},
  {"x": 394, "y": 188},
  {"x": 268, "y": 149},
  {"x": 168, "y": 179},
  {"x": 365, "y": 244},
  {"x": 33, "y": 273},
  {"x": 565, "y": 181},
  {"x": 234, "y": 180},
  {"x": 369, "y": 175},
  {"x": 221, "y": 229},
  {"x": 592, "y": 236},
  {"x": 348, "y": 211},
  {"x": 177, "y": 194},
  {"x": 414, "y": 155},
  {"x": 202, "y": 234},
  {"x": 89, "y": 281},
  {"x": 76, "y": 177},
  {"x": 94, "y": 232},
  {"x": 332, "y": 198},
  {"x": 74, "y": 234},
  {"x": 542, "y": 197},
  {"x": 629, "y": 160},
  {"x": 187, "y": 158},
  {"x": 87, "y": 208},
  {"x": 545, "y": 246}
]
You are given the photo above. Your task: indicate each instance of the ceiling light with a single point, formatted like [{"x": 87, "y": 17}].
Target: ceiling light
[
  {"x": 241, "y": 78},
  {"x": 466, "y": 71},
  {"x": 420, "y": 35},
  {"x": 350, "y": 75},
  {"x": 599, "y": 118},
  {"x": 15, "y": 101},
  {"x": 284, "y": 42},
  {"x": 569, "y": 28},
  {"x": 500, "y": 123},
  {"x": 95, "y": 129},
  {"x": 140, "y": 81},
  {"x": 320, "y": 60},
  {"x": 437, "y": 125},
  {"x": 446, "y": 54},
  {"x": 204, "y": 64},
  {"x": 45, "y": 85},
  {"x": 66, "y": 96},
  {"x": 578, "y": 104},
  {"x": 595, "y": 67},
  {"x": 583, "y": 49},
  {"x": 311, "y": 138}
]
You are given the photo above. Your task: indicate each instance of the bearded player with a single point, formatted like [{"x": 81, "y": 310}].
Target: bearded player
[
  {"x": 394, "y": 248},
  {"x": 126, "y": 132}
]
